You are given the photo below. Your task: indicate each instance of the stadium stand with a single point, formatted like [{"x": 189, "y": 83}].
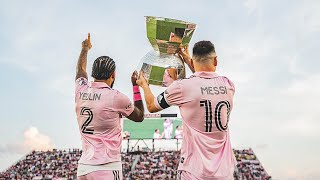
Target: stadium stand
[
  {"x": 249, "y": 167},
  {"x": 55, "y": 164},
  {"x": 62, "y": 164},
  {"x": 155, "y": 165}
]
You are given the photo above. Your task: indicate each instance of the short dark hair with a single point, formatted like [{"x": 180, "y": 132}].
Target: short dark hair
[
  {"x": 203, "y": 48},
  {"x": 155, "y": 130},
  {"x": 103, "y": 67},
  {"x": 177, "y": 127}
]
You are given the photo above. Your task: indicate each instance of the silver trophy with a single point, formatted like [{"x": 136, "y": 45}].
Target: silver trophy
[{"x": 161, "y": 65}]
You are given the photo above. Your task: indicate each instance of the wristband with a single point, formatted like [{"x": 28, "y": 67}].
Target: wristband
[
  {"x": 136, "y": 94},
  {"x": 137, "y": 97},
  {"x": 136, "y": 89}
]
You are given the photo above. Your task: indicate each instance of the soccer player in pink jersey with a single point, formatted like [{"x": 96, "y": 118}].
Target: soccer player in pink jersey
[
  {"x": 98, "y": 109},
  {"x": 205, "y": 100}
]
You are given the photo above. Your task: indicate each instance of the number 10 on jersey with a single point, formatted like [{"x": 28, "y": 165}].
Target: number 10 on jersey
[{"x": 207, "y": 104}]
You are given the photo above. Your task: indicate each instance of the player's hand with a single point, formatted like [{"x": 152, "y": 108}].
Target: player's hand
[
  {"x": 86, "y": 44},
  {"x": 142, "y": 81},
  {"x": 184, "y": 54},
  {"x": 134, "y": 78}
]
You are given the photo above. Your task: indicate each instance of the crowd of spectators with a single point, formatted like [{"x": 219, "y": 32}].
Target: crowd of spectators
[
  {"x": 164, "y": 164},
  {"x": 55, "y": 164},
  {"x": 127, "y": 162},
  {"x": 62, "y": 164},
  {"x": 155, "y": 165},
  {"x": 249, "y": 167}
]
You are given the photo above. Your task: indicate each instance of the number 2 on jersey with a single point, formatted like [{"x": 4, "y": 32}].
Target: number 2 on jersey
[
  {"x": 217, "y": 114},
  {"x": 88, "y": 112}
]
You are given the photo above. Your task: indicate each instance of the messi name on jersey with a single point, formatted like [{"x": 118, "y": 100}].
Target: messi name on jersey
[
  {"x": 90, "y": 96},
  {"x": 214, "y": 90}
]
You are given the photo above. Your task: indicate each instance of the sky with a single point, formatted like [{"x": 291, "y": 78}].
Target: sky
[{"x": 268, "y": 48}]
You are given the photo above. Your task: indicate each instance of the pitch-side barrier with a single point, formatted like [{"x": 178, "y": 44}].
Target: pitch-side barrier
[{"x": 151, "y": 145}]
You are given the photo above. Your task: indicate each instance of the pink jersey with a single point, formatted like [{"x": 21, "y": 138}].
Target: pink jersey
[
  {"x": 98, "y": 109},
  {"x": 205, "y": 102}
]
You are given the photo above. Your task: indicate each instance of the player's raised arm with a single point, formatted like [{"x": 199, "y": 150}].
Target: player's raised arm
[
  {"x": 138, "y": 113},
  {"x": 185, "y": 56},
  {"x": 142, "y": 82},
  {"x": 82, "y": 61}
]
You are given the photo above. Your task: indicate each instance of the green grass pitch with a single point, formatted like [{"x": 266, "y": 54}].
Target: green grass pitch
[{"x": 146, "y": 128}]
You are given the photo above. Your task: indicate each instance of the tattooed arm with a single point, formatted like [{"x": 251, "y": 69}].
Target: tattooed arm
[{"x": 82, "y": 61}]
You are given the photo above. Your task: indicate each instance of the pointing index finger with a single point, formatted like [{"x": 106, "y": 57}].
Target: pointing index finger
[{"x": 88, "y": 36}]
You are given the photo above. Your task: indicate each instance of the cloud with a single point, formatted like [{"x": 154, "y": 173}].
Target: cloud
[
  {"x": 63, "y": 85},
  {"x": 262, "y": 146},
  {"x": 251, "y": 5},
  {"x": 32, "y": 140},
  {"x": 302, "y": 126},
  {"x": 304, "y": 115},
  {"x": 297, "y": 174},
  {"x": 308, "y": 86}
]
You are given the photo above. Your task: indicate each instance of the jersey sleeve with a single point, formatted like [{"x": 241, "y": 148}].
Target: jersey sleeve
[
  {"x": 122, "y": 104},
  {"x": 231, "y": 85},
  {"x": 172, "y": 96},
  {"x": 80, "y": 84}
]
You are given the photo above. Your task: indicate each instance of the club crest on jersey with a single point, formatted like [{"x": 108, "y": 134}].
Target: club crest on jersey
[{"x": 82, "y": 81}]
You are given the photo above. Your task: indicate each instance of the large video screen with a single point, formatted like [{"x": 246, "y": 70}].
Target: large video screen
[{"x": 146, "y": 129}]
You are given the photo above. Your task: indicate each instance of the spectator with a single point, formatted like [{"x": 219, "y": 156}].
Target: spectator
[
  {"x": 178, "y": 133},
  {"x": 157, "y": 134},
  {"x": 168, "y": 127}
]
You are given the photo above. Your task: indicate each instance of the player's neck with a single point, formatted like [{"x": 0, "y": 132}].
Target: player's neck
[
  {"x": 108, "y": 81},
  {"x": 205, "y": 69}
]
